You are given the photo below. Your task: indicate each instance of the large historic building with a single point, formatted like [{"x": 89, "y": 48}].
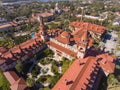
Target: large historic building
[
  {"x": 75, "y": 43},
  {"x": 23, "y": 52},
  {"x": 85, "y": 72}
]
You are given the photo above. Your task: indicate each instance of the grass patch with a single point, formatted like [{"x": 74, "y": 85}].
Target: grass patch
[
  {"x": 46, "y": 88},
  {"x": 48, "y": 53},
  {"x": 54, "y": 68},
  {"x": 4, "y": 84},
  {"x": 45, "y": 61},
  {"x": 35, "y": 71},
  {"x": 45, "y": 79},
  {"x": 65, "y": 65}
]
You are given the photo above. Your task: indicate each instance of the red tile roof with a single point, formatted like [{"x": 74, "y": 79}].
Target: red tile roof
[
  {"x": 65, "y": 34},
  {"x": 84, "y": 36},
  {"x": 3, "y": 50},
  {"x": 82, "y": 73},
  {"x": 88, "y": 26},
  {"x": 11, "y": 76},
  {"x": 64, "y": 37},
  {"x": 67, "y": 51},
  {"x": 6, "y": 25},
  {"x": 20, "y": 84},
  {"x": 71, "y": 74},
  {"x": 107, "y": 62},
  {"x": 63, "y": 40},
  {"x": 91, "y": 41},
  {"x": 17, "y": 50},
  {"x": 77, "y": 75},
  {"x": 16, "y": 82},
  {"x": 44, "y": 15}
]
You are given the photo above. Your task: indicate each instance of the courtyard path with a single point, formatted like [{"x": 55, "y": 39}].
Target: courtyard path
[{"x": 45, "y": 67}]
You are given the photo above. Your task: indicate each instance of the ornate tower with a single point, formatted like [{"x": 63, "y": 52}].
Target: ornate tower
[
  {"x": 57, "y": 9},
  {"x": 82, "y": 45},
  {"x": 42, "y": 32},
  {"x": 56, "y": 6}
]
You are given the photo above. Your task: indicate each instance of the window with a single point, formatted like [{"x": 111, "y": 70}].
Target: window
[{"x": 81, "y": 48}]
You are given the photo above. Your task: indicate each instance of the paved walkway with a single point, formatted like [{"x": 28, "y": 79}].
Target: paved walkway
[
  {"x": 46, "y": 84},
  {"x": 46, "y": 68},
  {"x": 57, "y": 59},
  {"x": 60, "y": 69}
]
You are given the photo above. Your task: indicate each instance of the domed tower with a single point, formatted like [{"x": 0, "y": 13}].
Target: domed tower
[
  {"x": 42, "y": 32},
  {"x": 57, "y": 8}
]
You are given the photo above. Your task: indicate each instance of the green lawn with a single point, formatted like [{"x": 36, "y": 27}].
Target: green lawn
[
  {"x": 4, "y": 84},
  {"x": 54, "y": 68},
  {"x": 114, "y": 88},
  {"x": 45, "y": 79},
  {"x": 46, "y": 88},
  {"x": 66, "y": 65},
  {"x": 45, "y": 61}
]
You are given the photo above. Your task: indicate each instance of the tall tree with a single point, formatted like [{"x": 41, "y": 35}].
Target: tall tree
[{"x": 19, "y": 66}]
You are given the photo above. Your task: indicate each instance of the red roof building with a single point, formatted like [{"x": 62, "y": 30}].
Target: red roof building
[
  {"x": 44, "y": 15},
  {"x": 23, "y": 52},
  {"x": 107, "y": 63},
  {"x": 76, "y": 42},
  {"x": 3, "y": 50},
  {"x": 84, "y": 74},
  {"x": 88, "y": 26},
  {"x": 15, "y": 81}
]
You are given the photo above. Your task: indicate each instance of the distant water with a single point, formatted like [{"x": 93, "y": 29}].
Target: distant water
[
  {"x": 27, "y": 1},
  {"x": 20, "y": 2}
]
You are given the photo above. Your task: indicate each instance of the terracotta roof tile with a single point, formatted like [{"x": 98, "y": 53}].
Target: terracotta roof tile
[
  {"x": 67, "y": 51},
  {"x": 65, "y": 34},
  {"x": 64, "y": 37},
  {"x": 88, "y": 26},
  {"x": 85, "y": 75},
  {"x": 16, "y": 52},
  {"x": 16, "y": 82},
  {"x": 44, "y": 15},
  {"x": 11, "y": 76},
  {"x": 20, "y": 84},
  {"x": 76, "y": 76},
  {"x": 5, "y": 25},
  {"x": 3, "y": 50},
  {"x": 107, "y": 62},
  {"x": 63, "y": 40},
  {"x": 70, "y": 75}
]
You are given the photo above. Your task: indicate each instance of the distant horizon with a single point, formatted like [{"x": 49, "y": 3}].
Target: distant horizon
[{"x": 5, "y": 1}]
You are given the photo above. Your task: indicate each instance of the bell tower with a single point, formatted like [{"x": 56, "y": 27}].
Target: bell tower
[
  {"x": 82, "y": 44},
  {"x": 42, "y": 32}
]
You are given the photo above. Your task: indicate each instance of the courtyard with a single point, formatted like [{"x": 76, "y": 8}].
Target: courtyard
[{"x": 46, "y": 70}]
